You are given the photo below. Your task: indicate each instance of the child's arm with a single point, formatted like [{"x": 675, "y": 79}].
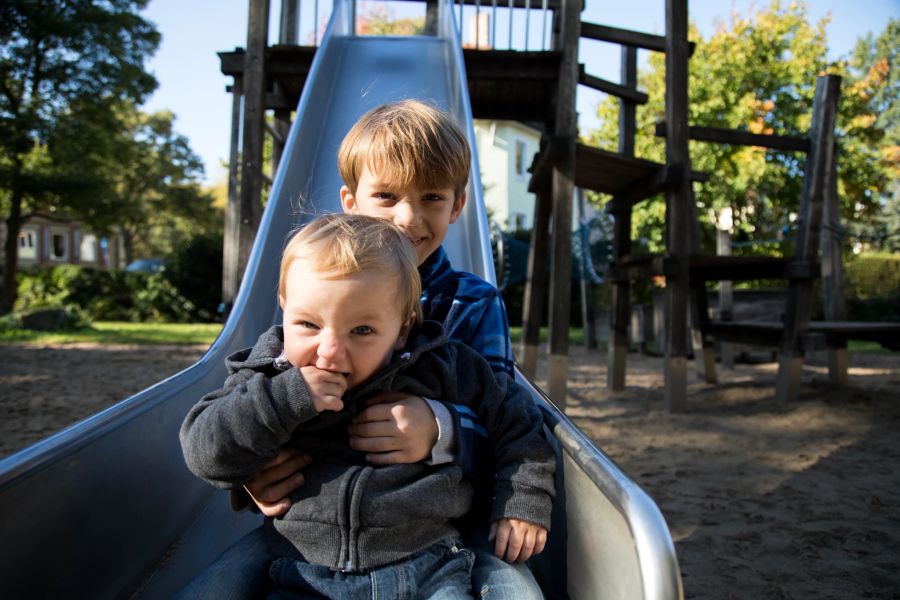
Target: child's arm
[{"x": 233, "y": 433}]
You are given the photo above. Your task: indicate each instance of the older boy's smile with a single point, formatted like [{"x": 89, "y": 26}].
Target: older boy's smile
[{"x": 422, "y": 214}]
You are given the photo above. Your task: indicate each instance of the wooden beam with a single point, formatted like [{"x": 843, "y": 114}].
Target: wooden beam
[
  {"x": 627, "y": 37},
  {"x": 613, "y": 89},
  {"x": 678, "y": 221},
  {"x": 818, "y": 170},
  {"x": 536, "y": 281},
  {"x": 741, "y": 138},
  {"x": 231, "y": 234},
  {"x": 627, "y": 110},
  {"x": 254, "y": 74},
  {"x": 563, "y": 181}
]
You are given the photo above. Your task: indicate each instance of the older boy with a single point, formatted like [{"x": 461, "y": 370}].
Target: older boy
[
  {"x": 349, "y": 289},
  {"x": 408, "y": 163}
]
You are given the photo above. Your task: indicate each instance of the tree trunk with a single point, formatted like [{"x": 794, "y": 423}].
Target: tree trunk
[{"x": 11, "y": 251}]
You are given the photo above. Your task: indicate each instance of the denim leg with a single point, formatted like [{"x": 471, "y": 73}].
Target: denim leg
[
  {"x": 240, "y": 573},
  {"x": 494, "y": 578},
  {"x": 443, "y": 571}
]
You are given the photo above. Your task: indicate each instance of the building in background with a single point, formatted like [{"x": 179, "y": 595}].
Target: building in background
[
  {"x": 55, "y": 240},
  {"x": 505, "y": 152}
]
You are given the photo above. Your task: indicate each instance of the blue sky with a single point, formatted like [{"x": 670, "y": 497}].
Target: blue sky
[{"x": 190, "y": 84}]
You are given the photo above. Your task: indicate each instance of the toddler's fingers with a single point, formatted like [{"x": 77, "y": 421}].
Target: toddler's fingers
[
  {"x": 501, "y": 541},
  {"x": 541, "y": 541},
  {"x": 515, "y": 547}
]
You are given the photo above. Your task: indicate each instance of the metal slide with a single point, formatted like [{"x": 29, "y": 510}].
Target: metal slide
[{"x": 107, "y": 509}]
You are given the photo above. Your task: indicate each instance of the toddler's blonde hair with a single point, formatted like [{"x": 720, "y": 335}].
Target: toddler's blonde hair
[{"x": 338, "y": 245}]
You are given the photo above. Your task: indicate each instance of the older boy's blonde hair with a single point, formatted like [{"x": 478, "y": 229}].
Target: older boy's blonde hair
[
  {"x": 340, "y": 244},
  {"x": 406, "y": 142}
]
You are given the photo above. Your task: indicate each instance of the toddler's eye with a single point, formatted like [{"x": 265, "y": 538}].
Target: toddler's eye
[
  {"x": 308, "y": 325},
  {"x": 363, "y": 330}
]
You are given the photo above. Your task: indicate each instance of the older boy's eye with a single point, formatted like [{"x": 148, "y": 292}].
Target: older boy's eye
[
  {"x": 384, "y": 195},
  {"x": 363, "y": 330},
  {"x": 433, "y": 197}
]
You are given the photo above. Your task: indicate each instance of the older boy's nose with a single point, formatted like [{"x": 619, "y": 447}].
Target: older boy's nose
[{"x": 406, "y": 214}]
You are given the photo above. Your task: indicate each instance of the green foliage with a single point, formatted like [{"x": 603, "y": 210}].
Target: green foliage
[
  {"x": 196, "y": 271},
  {"x": 63, "y": 65},
  {"x": 758, "y": 73},
  {"x": 872, "y": 287},
  {"x": 104, "y": 295}
]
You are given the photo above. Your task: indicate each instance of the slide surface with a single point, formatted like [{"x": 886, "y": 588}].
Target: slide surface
[{"x": 107, "y": 509}]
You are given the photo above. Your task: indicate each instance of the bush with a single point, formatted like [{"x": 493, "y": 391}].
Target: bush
[
  {"x": 104, "y": 295},
  {"x": 872, "y": 287},
  {"x": 196, "y": 272}
]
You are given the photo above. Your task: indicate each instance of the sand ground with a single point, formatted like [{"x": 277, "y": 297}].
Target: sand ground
[{"x": 763, "y": 500}]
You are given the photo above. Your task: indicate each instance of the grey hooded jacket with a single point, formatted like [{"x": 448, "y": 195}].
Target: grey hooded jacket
[{"x": 349, "y": 515}]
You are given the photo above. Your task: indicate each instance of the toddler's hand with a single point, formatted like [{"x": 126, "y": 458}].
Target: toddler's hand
[
  {"x": 325, "y": 387},
  {"x": 517, "y": 541}
]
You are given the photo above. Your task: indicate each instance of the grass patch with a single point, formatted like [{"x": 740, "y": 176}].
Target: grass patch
[
  {"x": 115, "y": 332},
  {"x": 576, "y": 335},
  {"x": 866, "y": 346}
]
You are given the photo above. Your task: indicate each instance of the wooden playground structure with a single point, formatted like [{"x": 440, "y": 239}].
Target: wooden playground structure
[{"x": 543, "y": 85}]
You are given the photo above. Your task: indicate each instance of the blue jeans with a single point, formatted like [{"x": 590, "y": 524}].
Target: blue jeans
[
  {"x": 495, "y": 579},
  {"x": 241, "y": 572},
  {"x": 441, "y": 571}
]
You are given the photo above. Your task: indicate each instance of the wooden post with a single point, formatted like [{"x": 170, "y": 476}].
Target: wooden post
[
  {"x": 536, "y": 282},
  {"x": 588, "y": 319},
  {"x": 254, "y": 129},
  {"x": 726, "y": 291},
  {"x": 704, "y": 350},
  {"x": 281, "y": 124},
  {"x": 431, "y": 17},
  {"x": 563, "y": 178},
  {"x": 230, "y": 274},
  {"x": 833, "y": 275},
  {"x": 287, "y": 33},
  {"x": 678, "y": 221},
  {"x": 819, "y": 163},
  {"x": 620, "y": 305},
  {"x": 627, "y": 107}
]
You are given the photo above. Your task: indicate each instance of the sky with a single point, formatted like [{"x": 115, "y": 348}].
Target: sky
[{"x": 191, "y": 85}]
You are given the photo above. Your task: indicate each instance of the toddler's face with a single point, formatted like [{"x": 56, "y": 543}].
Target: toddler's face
[
  {"x": 423, "y": 215},
  {"x": 348, "y": 325}
]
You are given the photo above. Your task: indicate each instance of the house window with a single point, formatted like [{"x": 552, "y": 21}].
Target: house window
[
  {"x": 520, "y": 158},
  {"x": 89, "y": 248},
  {"x": 59, "y": 247},
  {"x": 27, "y": 245}
]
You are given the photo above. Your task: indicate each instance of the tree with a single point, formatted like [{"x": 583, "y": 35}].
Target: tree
[
  {"x": 60, "y": 61},
  {"x": 875, "y": 66},
  {"x": 154, "y": 197},
  {"x": 757, "y": 73}
]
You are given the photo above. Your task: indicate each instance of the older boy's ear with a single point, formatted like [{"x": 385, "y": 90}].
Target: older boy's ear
[
  {"x": 348, "y": 202},
  {"x": 458, "y": 205}
]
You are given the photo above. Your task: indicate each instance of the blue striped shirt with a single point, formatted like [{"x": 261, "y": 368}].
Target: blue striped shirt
[
  {"x": 470, "y": 308},
  {"x": 473, "y": 313}
]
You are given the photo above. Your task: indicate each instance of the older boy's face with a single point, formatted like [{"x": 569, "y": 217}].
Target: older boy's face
[
  {"x": 349, "y": 325},
  {"x": 423, "y": 215}
]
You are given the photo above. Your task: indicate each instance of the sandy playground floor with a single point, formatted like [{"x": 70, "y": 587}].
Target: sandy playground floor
[{"x": 763, "y": 501}]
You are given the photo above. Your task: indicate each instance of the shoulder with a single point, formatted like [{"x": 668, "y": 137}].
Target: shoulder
[
  {"x": 471, "y": 288},
  {"x": 267, "y": 348}
]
